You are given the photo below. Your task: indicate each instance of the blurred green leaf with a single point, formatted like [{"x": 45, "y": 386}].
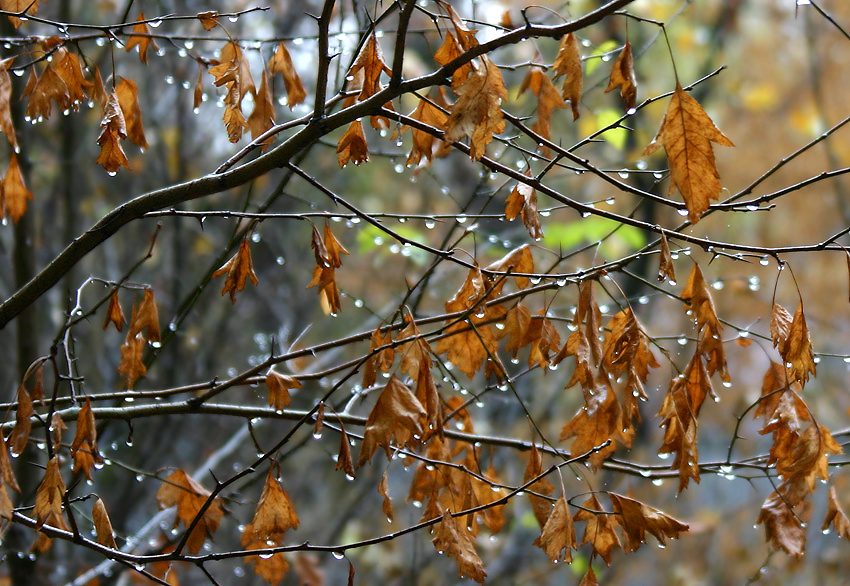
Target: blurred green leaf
[{"x": 571, "y": 235}]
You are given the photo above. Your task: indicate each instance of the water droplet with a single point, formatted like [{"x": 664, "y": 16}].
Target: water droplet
[
  {"x": 631, "y": 112},
  {"x": 682, "y": 212},
  {"x": 317, "y": 435},
  {"x": 112, "y": 173},
  {"x": 657, "y": 482},
  {"x": 155, "y": 23},
  {"x": 233, "y": 18},
  {"x": 717, "y": 285},
  {"x": 461, "y": 219},
  {"x": 169, "y": 79},
  {"x": 682, "y": 341},
  {"x": 338, "y": 555},
  {"x": 646, "y": 473},
  {"x": 623, "y": 173},
  {"x": 664, "y": 456}
]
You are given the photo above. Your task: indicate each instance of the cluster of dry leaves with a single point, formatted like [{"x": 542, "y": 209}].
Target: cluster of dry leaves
[{"x": 611, "y": 360}]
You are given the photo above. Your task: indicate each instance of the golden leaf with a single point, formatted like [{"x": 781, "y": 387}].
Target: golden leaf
[
  {"x": 20, "y": 435},
  {"x": 131, "y": 365},
  {"x": 523, "y": 200},
  {"x": 30, "y": 6},
  {"x": 666, "y": 270},
  {"x": 686, "y": 135},
  {"x": 48, "y": 498},
  {"x": 274, "y": 514}
]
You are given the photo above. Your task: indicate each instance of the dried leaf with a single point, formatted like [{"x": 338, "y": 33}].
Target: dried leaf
[
  {"x": 599, "y": 531},
  {"x": 329, "y": 299},
  {"x": 596, "y": 423},
  {"x": 132, "y": 366},
  {"x": 13, "y": 193},
  {"x": 396, "y": 418},
  {"x": 344, "y": 461},
  {"x": 86, "y": 429},
  {"x": 7, "y": 475},
  {"x": 519, "y": 260},
  {"x": 686, "y": 135},
  {"x": 48, "y": 498},
  {"x": 426, "y": 144},
  {"x": 548, "y": 100},
  {"x": 783, "y": 529},
  {"x": 477, "y": 112},
  {"x": 208, "y": 19},
  {"x": 114, "y": 313},
  {"x": 278, "y": 386},
  {"x": 381, "y": 360},
  {"x": 30, "y": 6},
  {"x": 262, "y": 117},
  {"x": 636, "y": 518},
  {"x": 6, "y": 124},
  {"x": 835, "y": 516},
  {"x": 198, "y": 95},
  {"x": 558, "y": 534},
  {"x": 41, "y": 90},
  {"x": 796, "y": 348},
  {"x": 68, "y": 66},
  {"x": 666, "y": 270},
  {"x": 523, "y": 200},
  {"x": 542, "y": 507},
  {"x": 182, "y": 491},
  {"x": 334, "y": 248},
  {"x": 146, "y": 317},
  {"x": 453, "y": 539},
  {"x": 141, "y": 38},
  {"x": 568, "y": 62},
  {"x": 274, "y": 514},
  {"x": 281, "y": 63},
  {"x": 623, "y": 77},
  {"x": 352, "y": 146},
  {"x": 384, "y": 491},
  {"x": 102, "y": 525},
  {"x": 113, "y": 129},
  {"x": 20, "y": 435},
  {"x": 239, "y": 269},
  {"x": 128, "y": 99}
]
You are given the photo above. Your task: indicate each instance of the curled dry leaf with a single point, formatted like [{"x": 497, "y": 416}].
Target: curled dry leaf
[
  {"x": 239, "y": 269},
  {"x": 132, "y": 366},
  {"x": 114, "y": 313},
  {"x": 452, "y": 538},
  {"x": 477, "y": 113},
  {"x": 666, "y": 270},
  {"x": 6, "y": 124},
  {"x": 102, "y": 525},
  {"x": 686, "y": 135},
  {"x": 13, "y": 193},
  {"x": 523, "y": 201},
  {"x": 352, "y": 146},
  {"x": 208, "y": 19},
  {"x": 128, "y": 99},
  {"x": 113, "y": 129},
  {"x": 20, "y": 435},
  {"x": 835, "y": 516},
  {"x": 141, "y": 38},
  {"x": 263, "y": 116},
  {"x": 623, "y": 77},
  {"x": 384, "y": 491},
  {"x": 145, "y": 317},
  {"x": 48, "y": 498},
  {"x": 548, "y": 100},
  {"x": 278, "y": 386},
  {"x": 568, "y": 62},
  {"x": 281, "y": 63},
  {"x": 182, "y": 491}
]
